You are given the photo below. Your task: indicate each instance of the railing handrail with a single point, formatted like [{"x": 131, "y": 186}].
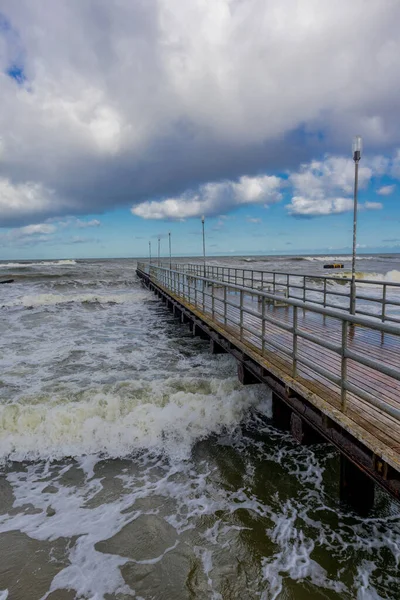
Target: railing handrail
[
  {"x": 185, "y": 286},
  {"x": 328, "y": 312},
  {"x": 306, "y": 275}
]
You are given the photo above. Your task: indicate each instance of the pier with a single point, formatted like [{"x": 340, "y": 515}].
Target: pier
[{"x": 334, "y": 376}]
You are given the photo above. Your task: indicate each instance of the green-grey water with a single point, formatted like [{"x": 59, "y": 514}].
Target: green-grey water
[{"x": 134, "y": 465}]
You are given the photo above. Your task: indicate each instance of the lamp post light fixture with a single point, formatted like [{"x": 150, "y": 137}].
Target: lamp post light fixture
[
  {"x": 357, "y": 149},
  {"x": 150, "y": 252},
  {"x": 170, "y": 253},
  {"x": 204, "y": 245},
  {"x": 159, "y": 241}
]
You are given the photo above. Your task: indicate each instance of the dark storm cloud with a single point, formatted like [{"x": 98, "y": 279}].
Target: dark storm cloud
[{"x": 112, "y": 103}]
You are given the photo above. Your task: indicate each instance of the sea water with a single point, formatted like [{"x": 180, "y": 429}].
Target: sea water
[{"x": 134, "y": 465}]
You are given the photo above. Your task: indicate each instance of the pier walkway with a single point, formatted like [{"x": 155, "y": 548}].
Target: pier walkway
[{"x": 334, "y": 376}]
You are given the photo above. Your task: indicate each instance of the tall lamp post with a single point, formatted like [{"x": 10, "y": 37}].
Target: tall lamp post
[
  {"x": 150, "y": 252},
  {"x": 159, "y": 240},
  {"x": 204, "y": 245},
  {"x": 357, "y": 148},
  {"x": 170, "y": 253}
]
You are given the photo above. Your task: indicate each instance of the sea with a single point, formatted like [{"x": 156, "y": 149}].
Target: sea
[{"x": 133, "y": 464}]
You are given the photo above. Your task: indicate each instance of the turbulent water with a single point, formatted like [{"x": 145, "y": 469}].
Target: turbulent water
[{"x": 134, "y": 465}]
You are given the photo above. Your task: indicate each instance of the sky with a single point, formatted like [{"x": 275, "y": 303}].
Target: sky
[{"x": 124, "y": 120}]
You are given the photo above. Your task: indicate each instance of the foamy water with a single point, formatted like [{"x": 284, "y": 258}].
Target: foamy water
[{"x": 136, "y": 466}]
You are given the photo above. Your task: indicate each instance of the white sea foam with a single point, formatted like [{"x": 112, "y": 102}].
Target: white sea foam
[
  {"x": 168, "y": 415},
  {"x": 24, "y": 265},
  {"x": 343, "y": 258},
  {"x": 392, "y": 275},
  {"x": 37, "y": 300}
]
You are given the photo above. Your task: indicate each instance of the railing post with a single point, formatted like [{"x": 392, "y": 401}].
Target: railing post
[
  {"x": 273, "y": 282},
  {"x": 343, "y": 391},
  {"x": 324, "y": 292},
  {"x": 263, "y": 326},
  {"x": 304, "y": 288},
  {"x": 241, "y": 315},
  {"x": 294, "y": 369},
  {"x": 212, "y": 300},
  {"x": 225, "y": 309},
  {"x": 384, "y": 302}
]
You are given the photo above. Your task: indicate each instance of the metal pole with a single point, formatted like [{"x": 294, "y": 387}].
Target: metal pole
[
  {"x": 353, "y": 261},
  {"x": 150, "y": 252},
  {"x": 357, "y": 148},
  {"x": 204, "y": 246},
  {"x": 159, "y": 239},
  {"x": 170, "y": 254}
]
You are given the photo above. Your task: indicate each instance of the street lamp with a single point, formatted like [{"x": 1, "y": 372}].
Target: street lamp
[
  {"x": 150, "y": 252},
  {"x": 170, "y": 254},
  {"x": 204, "y": 246},
  {"x": 357, "y": 148},
  {"x": 159, "y": 239}
]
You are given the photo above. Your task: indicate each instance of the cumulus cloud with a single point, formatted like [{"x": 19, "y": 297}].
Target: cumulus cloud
[
  {"x": 325, "y": 187},
  {"x": 213, "y": 198},
  {"x": 386, "y": 190},
  {"x": 106, "y": 104}
]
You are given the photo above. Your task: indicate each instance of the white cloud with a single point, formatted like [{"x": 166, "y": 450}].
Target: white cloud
[
  {"x": 22, "y": 198},
  {"x": 386, "y": 190},
  {"x": 128, "y": 101},
  {"x": 39, "y": 228},
  {"x": 213, "y": 198},
  {"x": 30, "y": 234},
  {"x": 326, "y": 187},
  {"x": 312, "y": 207},
  {"x": 253, "y": 220},
  {"x": 372, "y": 205}
]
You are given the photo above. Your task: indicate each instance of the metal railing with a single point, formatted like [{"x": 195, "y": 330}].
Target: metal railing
[
  {"x": 342, "y": 358},
  {"x": 377, "y": 299}
]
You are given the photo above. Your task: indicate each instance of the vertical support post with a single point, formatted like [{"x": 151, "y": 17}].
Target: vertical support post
[
  {"x": 170, "y": 253},
  {"x": 304, "y": 288},
  {"x": 273, "y": 282},
  {"x": 294, "y": 369},
  {"x": 212, "y": 300},
  {"x": 281, "y": 413},
  {"x": 325, "y": 292},
  {"x": 356, "y": 488},
  {"x": 343, "y": 378}
]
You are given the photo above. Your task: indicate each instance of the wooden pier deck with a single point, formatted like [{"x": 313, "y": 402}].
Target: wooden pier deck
[{"x": 332, "y": 374}]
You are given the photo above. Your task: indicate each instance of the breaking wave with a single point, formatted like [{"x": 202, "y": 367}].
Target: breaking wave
[
  {"x": 161, "y": 416},
  {"x": 37, "y": 300},
  {"x": 27, "y": 265}
]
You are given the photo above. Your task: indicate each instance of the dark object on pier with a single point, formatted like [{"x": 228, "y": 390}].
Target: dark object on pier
[
  {"x": 7, "y": 281},
  {"x": 334, "y": 266}
]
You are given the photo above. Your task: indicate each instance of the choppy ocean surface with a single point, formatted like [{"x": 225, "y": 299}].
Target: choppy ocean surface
[{"x": 134, "y": 465}]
